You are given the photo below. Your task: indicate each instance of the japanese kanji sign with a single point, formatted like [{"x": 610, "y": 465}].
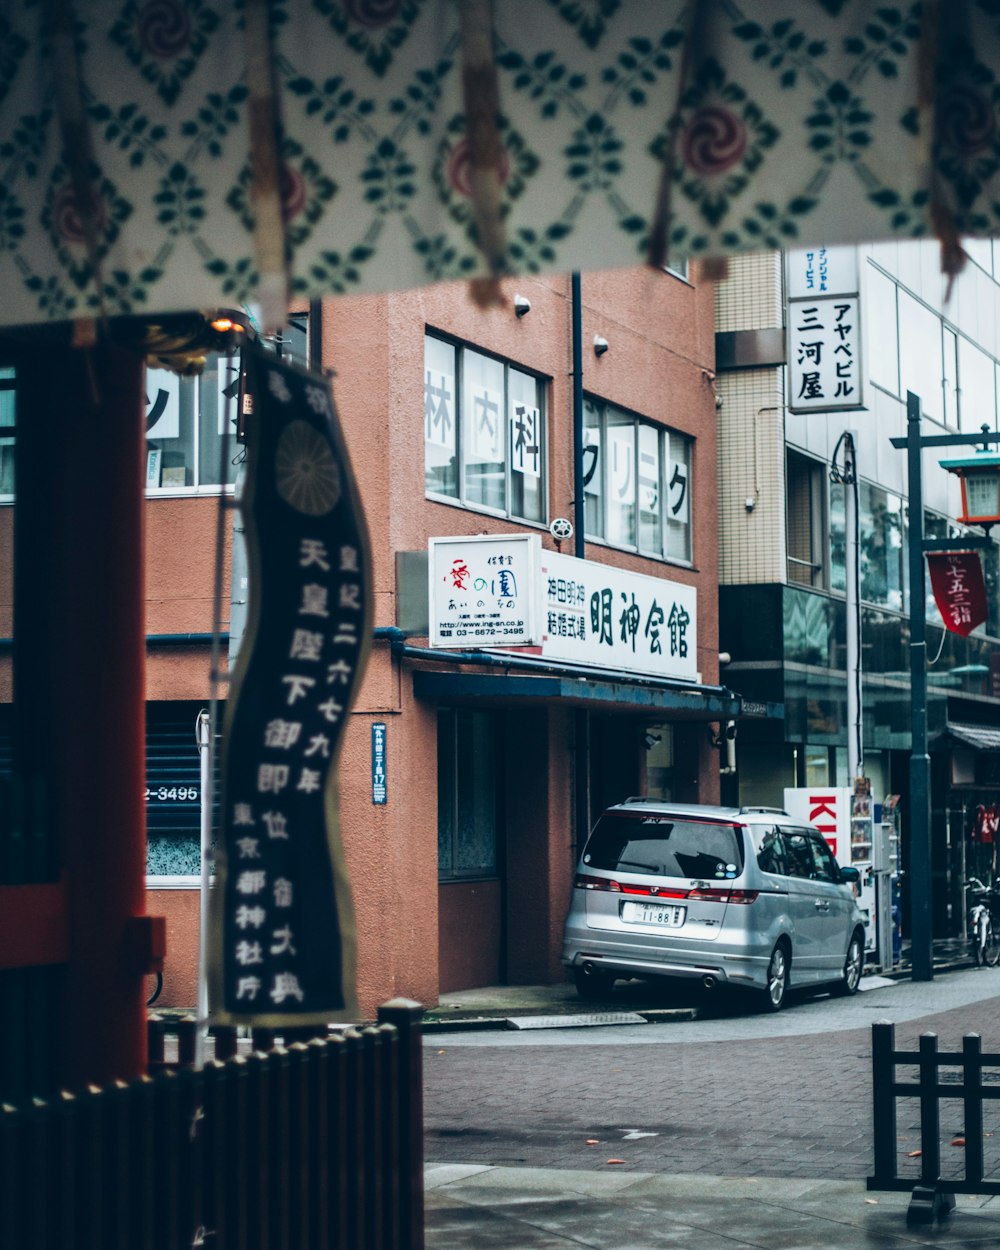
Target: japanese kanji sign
[
  {"x": 282, "y": 935},
  {"x": 503, "y": 590},
  {"x": 482, "y": 590},
  {"x": 600, "y": 615},
  {"x": 824, "y": 354},
  {"x": 959, "y": 589}
]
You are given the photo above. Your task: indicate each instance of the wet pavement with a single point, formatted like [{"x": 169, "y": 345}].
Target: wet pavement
[{"x": 726, "y": 1167}]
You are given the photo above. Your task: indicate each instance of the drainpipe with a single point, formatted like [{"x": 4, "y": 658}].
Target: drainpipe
[{"x": 581, "y": 719}]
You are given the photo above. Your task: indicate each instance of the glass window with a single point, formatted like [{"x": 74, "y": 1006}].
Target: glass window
[
  {"x": 620, "y": 440},
  {"x": 482, "y": 431},
  {"x": 661, "y": 845},
  {"x": 838, "y": 537},
  {"x": 190, "y": 427},
  {"x": 679, "y": 498},
  {"x": 798, "y": 853},
  {"x": 920, "y": 355},
  {"x": 881, "y": 547},
  {"x": 650, "y": 527},
  {"x": 636, "y": 483},
  {"x": 804, "y": 489},
  {"x": 977, "y": 403},
  {"x": 883, "y": 335},
  {"x": 950, "y": 379},
  {"x": 826, "y": 866},
  {"x": 770, "y": 851},
  {"x": 484, "y": 427},
  {"x": 593, "y": 470},
  {"x": 467, "y": 832},
  {"x": 440, "y": 407}
]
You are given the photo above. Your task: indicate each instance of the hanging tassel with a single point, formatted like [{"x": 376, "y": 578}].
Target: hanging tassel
[
  {"x": 658, "y": 254},
  {"x": 77, "y": 147},
  {"x": 714, "y": 268},
  {"x": 953, "y": 256},
  {"x": 265, "y": 191},
  {"x": 482, "y": 106}
]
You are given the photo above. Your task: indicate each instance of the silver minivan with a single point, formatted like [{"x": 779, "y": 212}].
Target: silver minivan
[{"x": 728, "y": 896}]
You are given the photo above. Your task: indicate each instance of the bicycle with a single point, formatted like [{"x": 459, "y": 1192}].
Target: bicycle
[{"x": 984, "y": 922}]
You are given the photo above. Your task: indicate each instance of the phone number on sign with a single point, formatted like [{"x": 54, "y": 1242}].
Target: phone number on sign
[{"x": 163, "y": 794}]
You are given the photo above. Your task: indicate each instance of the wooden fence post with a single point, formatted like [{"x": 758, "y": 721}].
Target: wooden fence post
[{"x": 406, "y": 1015}]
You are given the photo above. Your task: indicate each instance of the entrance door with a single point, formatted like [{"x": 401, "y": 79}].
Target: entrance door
[
  {"x": 614, "y": 761},
  {"x": 470, "y": 867}
]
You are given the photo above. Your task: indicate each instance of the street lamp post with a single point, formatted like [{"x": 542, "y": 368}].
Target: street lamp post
[{"x": 921, "y": 931}]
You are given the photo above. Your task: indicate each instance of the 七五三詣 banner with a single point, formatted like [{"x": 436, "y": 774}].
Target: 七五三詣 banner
[{"x": 282, "y": 928}]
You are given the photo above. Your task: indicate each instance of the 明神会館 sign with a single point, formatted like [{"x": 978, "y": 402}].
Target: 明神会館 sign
[{"x": 505, "y": 591}]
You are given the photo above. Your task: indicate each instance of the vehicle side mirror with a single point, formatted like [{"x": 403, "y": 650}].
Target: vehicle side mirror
[{"x": 849, "y": 875}]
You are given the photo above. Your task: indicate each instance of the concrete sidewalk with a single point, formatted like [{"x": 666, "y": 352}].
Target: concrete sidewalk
[{"x": 556, "y": 1209}]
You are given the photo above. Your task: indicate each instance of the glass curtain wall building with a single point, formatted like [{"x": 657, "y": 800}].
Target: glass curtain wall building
[{"x": 783, "y": 551}]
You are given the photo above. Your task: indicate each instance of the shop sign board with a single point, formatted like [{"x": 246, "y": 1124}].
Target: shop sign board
[
  {"x": 829, "y": 809},
  {"x": 503, "y": 591},
  {"x": 600, "y": 615},
  {"x": 482, "y": 591},
  {"x": 824, "y": 330}
]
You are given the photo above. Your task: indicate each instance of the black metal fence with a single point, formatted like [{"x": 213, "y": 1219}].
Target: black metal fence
[
  {"x": 307, "y": 1145},
  {"x": 963, "y": 1076}
]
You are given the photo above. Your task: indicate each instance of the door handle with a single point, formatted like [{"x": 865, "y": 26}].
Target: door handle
[{"x": 822, "y": 905}]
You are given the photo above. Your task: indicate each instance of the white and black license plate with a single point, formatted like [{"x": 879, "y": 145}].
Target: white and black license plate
[{"x": 663, "y": 915}]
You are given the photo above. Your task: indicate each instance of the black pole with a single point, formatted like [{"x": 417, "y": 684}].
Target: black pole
[
  {"x": 921, "y": 934},
  {"x": 581, "y": 719},
  {"x": 579, "y": 509},
  {"x": 315, "y": 334}
]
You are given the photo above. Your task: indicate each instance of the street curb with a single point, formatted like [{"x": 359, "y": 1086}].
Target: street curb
[{"x": 666, "y": 1015}]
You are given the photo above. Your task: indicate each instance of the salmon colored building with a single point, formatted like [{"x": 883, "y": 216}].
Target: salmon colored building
[{"x": 465, "y": 423}]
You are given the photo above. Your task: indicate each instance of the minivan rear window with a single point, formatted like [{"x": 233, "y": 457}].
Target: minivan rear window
[{"x": 664, "y": 847}]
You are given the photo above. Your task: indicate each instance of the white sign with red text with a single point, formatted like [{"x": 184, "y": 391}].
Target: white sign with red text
[{"x": 829, "y": 809}]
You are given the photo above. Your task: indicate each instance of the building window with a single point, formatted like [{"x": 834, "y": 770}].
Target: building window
[
  {"x": 484, "y": 431},
  {"x": 189, "y": 427},
  {"x": 467, "y": 825},
  {"x": 882, "y": 548},
  {"x": 805, "y": 487},
  {"x": 976, "y": 388},
  {"x": 883, "y": 332},
  {"x": 920, "y": 355},
  {"x": 636, "y": 483}
]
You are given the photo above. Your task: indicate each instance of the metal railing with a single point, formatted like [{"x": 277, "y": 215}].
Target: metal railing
[
  {"x": 306, "y": 1145},
  {"x": 933, "y": 1193}
]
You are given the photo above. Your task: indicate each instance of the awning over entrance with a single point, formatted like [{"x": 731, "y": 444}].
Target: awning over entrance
[
  {"x": 978, "y": 737},
  {"x": 604, "y": 692}
]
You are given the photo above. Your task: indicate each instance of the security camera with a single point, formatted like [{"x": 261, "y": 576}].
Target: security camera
[
  {"x": 522, "y": 305},
  {"x": 600, "y": 345},
  {"x": 750, "y": 503}
]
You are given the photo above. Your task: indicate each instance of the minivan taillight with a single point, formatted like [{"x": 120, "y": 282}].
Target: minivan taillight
[
  {"x": 712, "y": 894},
  {"x": 583, "y": 882},
  {"x": 743, "y": 896}
]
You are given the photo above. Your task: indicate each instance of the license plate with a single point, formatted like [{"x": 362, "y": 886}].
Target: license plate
[{"x": 664, "y": 915}]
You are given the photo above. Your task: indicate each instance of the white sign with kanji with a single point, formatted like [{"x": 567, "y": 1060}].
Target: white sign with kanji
[{"x": 824, "y": 354}]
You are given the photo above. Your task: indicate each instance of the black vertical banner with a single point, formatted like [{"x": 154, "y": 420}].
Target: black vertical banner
[{"x": 282, "y": 926}]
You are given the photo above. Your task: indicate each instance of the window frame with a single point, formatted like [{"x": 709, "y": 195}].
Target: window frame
[
  {"x": 664, "y": 433},
  {"x": 461, "y": 498}
]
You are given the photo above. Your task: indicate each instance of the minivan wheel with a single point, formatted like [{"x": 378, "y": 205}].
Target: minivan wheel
[
  {"x": 854, "y": 964},
  {"x": 777, "y": 979},
  {"x": 594, "y": 984}
]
